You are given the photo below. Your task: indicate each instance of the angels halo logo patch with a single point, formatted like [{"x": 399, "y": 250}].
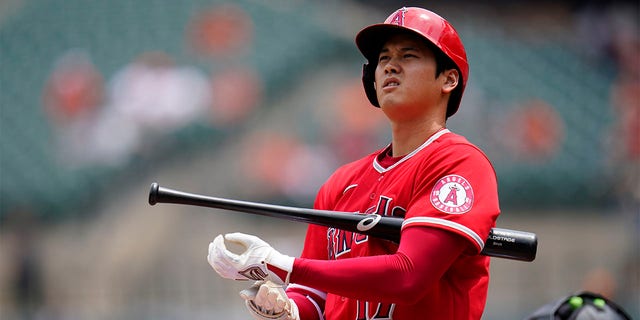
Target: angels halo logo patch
[{"x": 452, "y": 194}]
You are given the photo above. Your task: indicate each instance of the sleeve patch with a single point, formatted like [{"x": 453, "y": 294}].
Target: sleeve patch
[{"x": 452, "y": 194}]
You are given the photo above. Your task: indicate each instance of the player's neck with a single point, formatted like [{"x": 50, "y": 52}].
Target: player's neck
[{"x": 408, "y": 137}]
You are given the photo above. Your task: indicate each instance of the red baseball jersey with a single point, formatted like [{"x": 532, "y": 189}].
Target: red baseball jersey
[{"x": 446, "y": 183}]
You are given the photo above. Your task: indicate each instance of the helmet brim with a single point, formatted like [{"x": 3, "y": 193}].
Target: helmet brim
[{"x": 371, "y": 39}]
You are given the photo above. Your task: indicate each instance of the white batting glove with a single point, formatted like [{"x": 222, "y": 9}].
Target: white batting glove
[
  {"x": 259, "y": 261},
  {"x": 268, "y": 301}
]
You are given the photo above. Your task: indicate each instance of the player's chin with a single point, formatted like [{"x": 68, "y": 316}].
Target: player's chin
[
  {"x": 390, "y": 101},
  {"x": 391, "y": 96}
]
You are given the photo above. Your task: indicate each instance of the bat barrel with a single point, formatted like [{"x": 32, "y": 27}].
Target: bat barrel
[{"x": 512, "y": 244}]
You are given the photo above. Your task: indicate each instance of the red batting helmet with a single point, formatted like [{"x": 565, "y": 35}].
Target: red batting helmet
[{"x": 425, "y": 24}]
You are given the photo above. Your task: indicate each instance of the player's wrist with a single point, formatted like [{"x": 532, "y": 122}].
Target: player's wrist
[{"x": 279, "y": 267}]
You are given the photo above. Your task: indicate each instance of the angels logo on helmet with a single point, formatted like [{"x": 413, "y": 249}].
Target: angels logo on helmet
[{"x": 398, "y": 18}]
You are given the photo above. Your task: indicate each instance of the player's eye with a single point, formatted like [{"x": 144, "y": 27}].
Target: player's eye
[{"x": 383, "y": 58}]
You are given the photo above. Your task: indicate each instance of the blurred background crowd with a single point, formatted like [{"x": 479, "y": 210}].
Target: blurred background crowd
[{"x": 261, "y": 101}]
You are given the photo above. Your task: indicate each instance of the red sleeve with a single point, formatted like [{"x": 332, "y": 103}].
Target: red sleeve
[
  {"x": 403, "y": 277},
  {"x": 310, "y": 301}
]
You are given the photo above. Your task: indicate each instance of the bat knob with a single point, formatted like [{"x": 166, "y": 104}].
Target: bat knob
[{"x": 153, "y": 193}]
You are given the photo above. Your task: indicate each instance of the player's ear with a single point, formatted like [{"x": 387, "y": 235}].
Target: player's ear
[{"x": 451, "y": 78}]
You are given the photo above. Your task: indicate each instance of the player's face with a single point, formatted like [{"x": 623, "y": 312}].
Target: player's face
[{"x": 406, "y": 82}]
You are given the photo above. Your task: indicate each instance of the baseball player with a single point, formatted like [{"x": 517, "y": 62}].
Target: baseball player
[{"x": 443, "y": 186}]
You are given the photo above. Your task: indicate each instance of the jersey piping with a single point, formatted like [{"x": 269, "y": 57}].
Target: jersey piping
[{"x": 435, "y": 136}]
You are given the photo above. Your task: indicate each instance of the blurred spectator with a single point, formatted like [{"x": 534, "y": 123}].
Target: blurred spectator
[
  {"x": 624, "y": 139},
  {"x": 535, "y": 131},
  {"x": 158, "y": 95},
  {"x": 625, "y": 93},
  {"x": 74, "y": 88},
  {"x": 281, "y": 164},
  {"x": 221, "y": 31},
  {"x": 263, "y": 157},
  {"x": 594, "y": 29},
  {"x": 148, "y": 99},
  {"x": 602, "y": 26},
  {"x": 72, "y": 96},
  {"x": 238, "y": 93}
]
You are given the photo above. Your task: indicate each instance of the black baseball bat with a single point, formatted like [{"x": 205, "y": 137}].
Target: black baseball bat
[{"x": 501, "y": 243}]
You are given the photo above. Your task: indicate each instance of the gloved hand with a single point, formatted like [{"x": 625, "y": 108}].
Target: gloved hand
[
  {"x": 259, "y": 261},
  {"x": 268, "y": 301}
]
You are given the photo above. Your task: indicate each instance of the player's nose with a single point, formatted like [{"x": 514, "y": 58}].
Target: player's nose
[{"x": 392, "y": 67}]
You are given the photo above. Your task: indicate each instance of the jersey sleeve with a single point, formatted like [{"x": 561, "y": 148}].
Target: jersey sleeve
[{"x": 456, "y": 190}]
